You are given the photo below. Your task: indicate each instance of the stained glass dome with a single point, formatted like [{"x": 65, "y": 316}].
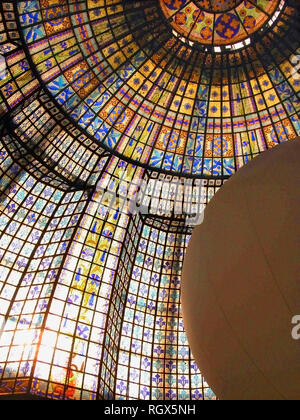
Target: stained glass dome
[
  {"x": 97, "y": 96},
  {"x": 219, "y": 22}
]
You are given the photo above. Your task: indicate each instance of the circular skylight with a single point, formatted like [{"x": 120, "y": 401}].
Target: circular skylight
[{"x": 218, "y": 22}]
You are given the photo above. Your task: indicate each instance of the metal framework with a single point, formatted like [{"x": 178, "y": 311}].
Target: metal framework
[{"x": 96, "y": 96}]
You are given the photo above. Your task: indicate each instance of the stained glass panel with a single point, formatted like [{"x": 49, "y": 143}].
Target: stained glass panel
[{"x": 120, "y": 120}]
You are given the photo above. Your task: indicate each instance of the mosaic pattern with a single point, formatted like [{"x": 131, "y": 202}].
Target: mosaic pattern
[
  {"x": 107, "y": 323},
  {"x": 137, "y": 90},
  {"x": 95, "y": 95},
  {"x": 159, "y": 366},
  {"x": 218, "y": 22}
]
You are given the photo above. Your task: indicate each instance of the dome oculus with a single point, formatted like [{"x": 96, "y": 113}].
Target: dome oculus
[{"x": 218, "y": 22}]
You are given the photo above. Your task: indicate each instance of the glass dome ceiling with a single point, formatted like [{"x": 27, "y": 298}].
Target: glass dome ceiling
[
  {"x": 219, "y": 22},
  {"x": 96, "y": 95},
  {"x": 133, "y": 87}
]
